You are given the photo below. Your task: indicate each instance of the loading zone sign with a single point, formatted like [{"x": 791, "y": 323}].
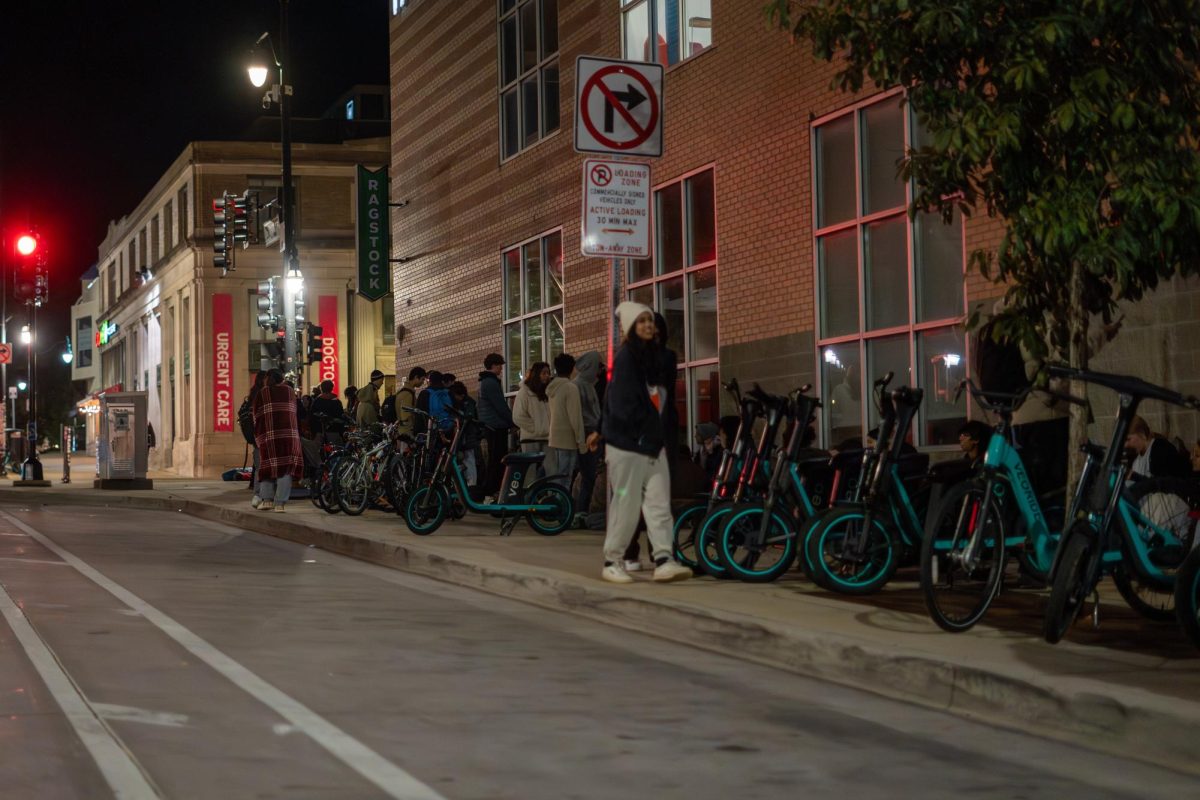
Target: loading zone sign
[
  {"x": 618, "y": 107},
  {"x": 616, "y": 208}
]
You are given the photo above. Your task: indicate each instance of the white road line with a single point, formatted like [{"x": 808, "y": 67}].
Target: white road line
[
  {"x": 390, "y": 778},
  {"x": 34, "y": 561},
  {"x": 116, "y": 765}
]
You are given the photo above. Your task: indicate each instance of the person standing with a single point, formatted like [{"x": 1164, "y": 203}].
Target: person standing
[
  {"x": 367, "y": 411},
  {"x": 246, "y": 424},
  {"x": 636, "y": 455},
  {"x": 497, "y": 420},
  {"x": 531, "y": 409},
  {"x": 468, "y": 440},
  {"x": 351, "y": 395},
  {"x": 277, "y": 433},
  {"x": 406, "y": 397},
  {"x": 567, "y": 436},
  {"x": 586, "y": 368},
  {"x": 327, "y": 413}
]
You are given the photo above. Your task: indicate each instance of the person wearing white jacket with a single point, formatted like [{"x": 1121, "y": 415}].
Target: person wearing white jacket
[
  {"x": 531, "y": 410},
  {"x": 568, "y": 438}
]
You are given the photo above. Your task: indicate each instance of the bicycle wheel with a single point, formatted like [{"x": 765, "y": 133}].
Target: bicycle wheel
[
  {"x": 707, "y": 531},
  {"x": 1071, "y": 582},
  {"x": 1187, "y": 597},
  {"x": 684, "y": 534},
  {"x": 550, "y": 523},
  {"x": 328, "y": 488},
  {"x": 315, "y": 494},
  {"x": 353, "y": 486},
  {"x": 1162, "y": 506},
  {"x": 834, "y": 558},
  {"x": 426, "y": 509},
  {"x": 755, "y": 561},
  {"x": 958, "y": 594},
  {"x": 395, "y": 483}
]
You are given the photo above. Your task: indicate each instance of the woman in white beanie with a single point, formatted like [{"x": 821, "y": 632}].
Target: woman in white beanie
[{"x": 639, "y": 480}]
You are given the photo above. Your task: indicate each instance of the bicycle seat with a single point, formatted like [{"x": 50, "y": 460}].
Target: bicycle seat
[{"x": 523, "y": 458}]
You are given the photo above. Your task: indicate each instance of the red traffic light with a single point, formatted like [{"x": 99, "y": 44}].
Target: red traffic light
[{"x": 27, "y": 244}]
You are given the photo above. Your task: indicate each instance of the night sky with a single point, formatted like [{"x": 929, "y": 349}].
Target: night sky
[{"x": 99, "y": 98}]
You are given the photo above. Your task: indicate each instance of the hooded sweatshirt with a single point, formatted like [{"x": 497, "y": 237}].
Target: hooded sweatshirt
[
  {"x": 585, "y": 378},
  {"x": 566, "y": 416},
  {"x": 531, "y": 414}
]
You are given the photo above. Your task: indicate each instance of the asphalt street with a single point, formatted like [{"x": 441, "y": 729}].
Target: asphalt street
[{"x": 149, "y": 654}]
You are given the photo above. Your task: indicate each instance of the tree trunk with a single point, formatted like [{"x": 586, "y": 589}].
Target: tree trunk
[{"x": 1077, "y": 356}]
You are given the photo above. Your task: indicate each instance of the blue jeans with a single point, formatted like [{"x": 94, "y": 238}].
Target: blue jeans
[
  {"x": 560, "y": 465},
  {"x": 279, "y": 490}
]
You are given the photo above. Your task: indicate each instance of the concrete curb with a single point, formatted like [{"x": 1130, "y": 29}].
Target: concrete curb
[{"x": 1137, "y": 725}]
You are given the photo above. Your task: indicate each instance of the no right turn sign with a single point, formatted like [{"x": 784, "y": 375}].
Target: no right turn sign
[{"x": 618, "y": 107}]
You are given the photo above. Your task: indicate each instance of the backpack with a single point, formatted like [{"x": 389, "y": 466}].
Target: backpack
[
  {"x": 245, "y": 420},
  {"x": 999, "y": 365},
  {"x": 439, "y": 401},
  {"x": 387, "y": 411}
]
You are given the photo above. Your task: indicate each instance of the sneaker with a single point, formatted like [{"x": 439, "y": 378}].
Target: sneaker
[
  {"x": 266, "y": 505},
  {"x": 615, "y": 573},
  {"x": 671, "y": 570},
  {"x": 633, "y": 566},
  {"x": 489, "y": 499},
  {"x": 255, "y": 501},
  {"x": 279, "y": 509}
]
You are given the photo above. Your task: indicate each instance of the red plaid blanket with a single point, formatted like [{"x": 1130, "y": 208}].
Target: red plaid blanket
[{"x": 276, "y": 434}]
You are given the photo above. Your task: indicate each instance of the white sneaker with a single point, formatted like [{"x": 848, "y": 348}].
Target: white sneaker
[
  {"x": 266, "y": 505},
  {"x": 279, "y": 509},
  {"x": 615, "y": 573},
  {"x": 633, "y": 566},
  {"x": 671, "y": 570},
  {"x": 489, "y": 499},
  {"x": 255, "y": 501}
]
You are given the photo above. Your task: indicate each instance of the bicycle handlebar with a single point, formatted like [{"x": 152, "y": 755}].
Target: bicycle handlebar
[{"x": 1125, "y": 384}]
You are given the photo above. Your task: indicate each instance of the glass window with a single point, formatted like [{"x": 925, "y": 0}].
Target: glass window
[
  {"x": 665, "y": 31},
  {"x": 835, "y": 171},
  {"x": 910, "y": 272},
  {"x": 529, "y": 81},
  {"x": 680, "y": 282},
  {"x": 837, "y": 259},
  {"x": 532, "y": 274},
  {"x": 636, "y": 23},
  {"x": 697, "y": 26}
]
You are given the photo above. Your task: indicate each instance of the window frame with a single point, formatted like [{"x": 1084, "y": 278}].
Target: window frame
[
  {"x": 627, "y": 6},
  {"x": 914, "y": 329},
  {"x": 687, "y": 364},
  {"x": 522, "y": 75},
  {"x": 546, "y": 310}
]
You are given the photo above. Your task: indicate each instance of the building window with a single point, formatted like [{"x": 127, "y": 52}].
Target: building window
[
  {"x": 680, "y": 282},
  {"x": 387, "y": 319},
  {"x": 111, "y": 282},
  {"x": 532, "y": 278},
  {"x": 890, "y": 288},
  {"x": 528, "y": 46},
  {"x": 168, "y": 220},
  {"x": 398, "y": 6},
  {"x": 130, "y": 266},
  {"x": 154, "y": 241},
  {"x": 182, "y": 199},
  {"x": 665, "y": 31},
  {"x": 83, "y": 342}
]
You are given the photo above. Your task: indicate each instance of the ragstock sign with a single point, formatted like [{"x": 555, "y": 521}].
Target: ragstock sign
[{"x": 373, "y": 234}]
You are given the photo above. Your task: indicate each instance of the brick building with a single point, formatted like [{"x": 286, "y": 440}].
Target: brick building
[{"x": 783, "y": 251}]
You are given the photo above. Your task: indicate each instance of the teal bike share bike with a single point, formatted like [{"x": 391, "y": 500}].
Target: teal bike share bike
[
  {"x": 544, "y": 503},
  {"x": 1140, "y": 534}
]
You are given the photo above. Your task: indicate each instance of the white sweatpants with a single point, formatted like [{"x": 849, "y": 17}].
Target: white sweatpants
[{"x": 638, "y": 484}]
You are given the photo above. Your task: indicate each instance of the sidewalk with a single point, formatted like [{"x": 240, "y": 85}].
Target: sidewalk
[{"x": 1131, "y": 687}]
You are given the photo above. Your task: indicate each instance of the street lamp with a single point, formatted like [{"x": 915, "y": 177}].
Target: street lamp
[
  {"x": 22, "y": 386},
  {"x": 259, "y": 69},
  {"x": 26, "y": 335}
]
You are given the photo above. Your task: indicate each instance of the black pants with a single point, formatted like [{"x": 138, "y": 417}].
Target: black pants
[
  {"x": 1044, "y": 449},
  {"x": 497, "y": 449}
]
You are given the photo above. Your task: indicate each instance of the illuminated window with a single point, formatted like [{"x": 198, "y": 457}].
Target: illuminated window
[{"x": 532, "y": 280}]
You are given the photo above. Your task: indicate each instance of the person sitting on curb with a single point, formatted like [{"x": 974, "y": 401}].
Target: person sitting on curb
[{"x": 632, "y": 428}]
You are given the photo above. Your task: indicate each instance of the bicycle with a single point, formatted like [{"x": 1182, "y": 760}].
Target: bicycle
[
  {"x": 545, "y": 504},
  {"x": 856, "y": 548},
  {"x": 358, "y": 477},
  {"x": 967, "y": 536},
  {"x": 759, "y": 531},
  {"x": 1141, "y": 537}
]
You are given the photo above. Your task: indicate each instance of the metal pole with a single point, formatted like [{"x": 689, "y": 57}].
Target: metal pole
[{"x": 291, "y": 263}]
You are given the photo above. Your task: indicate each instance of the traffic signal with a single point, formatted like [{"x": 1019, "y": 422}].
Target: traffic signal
[
  {"x": 270, "y": 355},
  {"x": 30, "y": 281},
  {"x": 268, "y": 317},
  {"x": 240, "y": 218},
  {"x": 315, "y": 343},
  {"x": 222, "y": 211}
]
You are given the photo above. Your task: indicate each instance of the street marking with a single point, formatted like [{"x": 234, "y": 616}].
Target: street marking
[
  {"x": 116, "y": 764},
  {"x": 22, "y": 535},
  {"x": 130, "y": 714},
  {"x": 388, "y": 777},
  {"x": 34, "y": 561}
]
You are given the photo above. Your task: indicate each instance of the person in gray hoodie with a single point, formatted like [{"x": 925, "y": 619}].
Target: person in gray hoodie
[{"x": 586, "y": 368}]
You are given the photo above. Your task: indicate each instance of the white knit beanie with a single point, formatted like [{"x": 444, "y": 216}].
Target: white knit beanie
[{"x": 628, "y": 313}]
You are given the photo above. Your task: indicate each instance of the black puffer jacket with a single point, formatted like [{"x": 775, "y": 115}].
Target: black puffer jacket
[{"x": 631, "y": 422}]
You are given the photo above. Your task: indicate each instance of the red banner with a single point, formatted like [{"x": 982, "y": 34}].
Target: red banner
[
  {"x": 327, "y": 319},
  {"x": 222, "y": 326}
]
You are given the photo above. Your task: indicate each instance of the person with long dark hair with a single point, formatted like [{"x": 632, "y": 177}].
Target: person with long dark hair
[
  {"x": 246, "y": 423},
  {"x": 531, "y": 410},
  {"x": 633, "y": 427}
]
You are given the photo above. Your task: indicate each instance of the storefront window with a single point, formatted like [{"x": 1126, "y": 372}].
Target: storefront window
[
  {"x": 532, "y": 274},
  {"x": 890, "y": 287}
]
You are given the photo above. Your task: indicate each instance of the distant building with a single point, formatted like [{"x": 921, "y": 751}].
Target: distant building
[
  {"x": 85, "y": 366},
  {"x": 153, "y": 317}
]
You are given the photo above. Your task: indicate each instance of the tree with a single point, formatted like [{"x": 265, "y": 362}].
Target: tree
[{"x": 1073, "y": 121}]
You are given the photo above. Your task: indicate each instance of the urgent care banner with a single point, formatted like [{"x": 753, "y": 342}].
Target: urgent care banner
[
  {"x": 222, "y": 326},
  {"x": 327, "y": 319}
]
